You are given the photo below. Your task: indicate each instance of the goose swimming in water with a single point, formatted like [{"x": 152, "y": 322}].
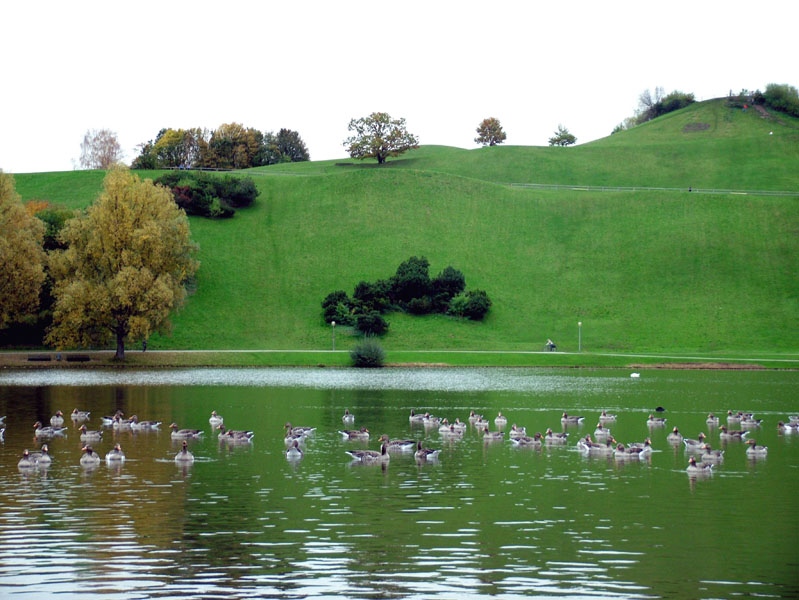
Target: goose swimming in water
[
  {"x": 356, "y": 435},
  {"x": 294, "y": 452},
  {"x": 137, "y": 425},
  {"x": 787, "y": 427},
  {"x": 397, "y": 445},
  {"x": 694, "y": 445},
  {"x": 184, "y": 456},
  {"x": 601, "y": 432},
  {"x": 425, "y": 454},
  {"x": 306, "y": 431},
  {"x": 47, "y": 432},
  {"x": 473, "y": 417},
  {"x": 732, "y": 434},
  {"x": 115, "y": 454},
  {"x": 653, "y": 421},
  {"x": 711, "y": 456},
  {"x": 712, "y": 420},
  {"x": 370, "y": 456},
  {"x": 348, "y": 418},
  {"x": 527, "y": 441},
  {"x": 87, "y": 435},
  {"x": 184, "y": 434},
  {"x": 675, "y": 437},
  {"x": 80, "y": 415},
  {"x": 517, "y": 432},
  {"x": 606, "y": 417},
  {"x": 695, "y": 468},
  {"x": 550, "y": 437},
  {"x": 415, "y": 419},
  {"x": 501, "y": 420},
  {"x": 42, "y": 457},
  {"x": 57, "y": 420},
  {"x": 571, "y": 420},
  {"x": 754, "y": 450},
  {"x": 26, "y": 462},
  {"x": 215, "y": 420},
  {"x": 492, "y": 436},
  {"x": 90, "y": 458},
  {"x": 233, "y": 435}
]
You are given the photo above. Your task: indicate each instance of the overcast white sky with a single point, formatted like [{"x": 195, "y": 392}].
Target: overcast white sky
[{"x": 312, "y": 66}]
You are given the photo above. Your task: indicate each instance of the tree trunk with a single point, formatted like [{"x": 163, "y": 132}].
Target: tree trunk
[{"x": 120, "y": 355}]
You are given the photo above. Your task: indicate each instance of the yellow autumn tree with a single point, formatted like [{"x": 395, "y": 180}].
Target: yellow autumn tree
[
  {"x": 123, "y": 272},
  {"x": 21, "y": 256}
]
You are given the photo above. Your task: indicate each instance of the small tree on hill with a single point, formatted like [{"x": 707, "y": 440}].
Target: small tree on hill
[
  {"x": 562, "y": 137},
  {"x": 379, "y": 136},
  {"x": 489, "y": 132},
  {"x": 99, "y": 149}
]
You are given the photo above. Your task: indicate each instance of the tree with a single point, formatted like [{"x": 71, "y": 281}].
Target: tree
[
  {"x": 489, "y": 132},
  {"x": 379, "y": 136},
  {"x": 100, "y": 149},
  {"x": 21, "y": 256},
  {"x": 562, "y": 137},
  {"x": 291, "y": 147},
  {"x": 128, "y": 257}
]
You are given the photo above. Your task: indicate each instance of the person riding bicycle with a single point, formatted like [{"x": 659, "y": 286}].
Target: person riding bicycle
[{"x": 551, "y": 345}]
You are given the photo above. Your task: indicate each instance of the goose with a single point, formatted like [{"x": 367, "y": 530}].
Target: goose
[
  {"x": 733, "y": 418},
  {"x": 109, "y": 421},
  {"x": 583, "y": 444},
  {"x": 597, "y": 449},
  {"x": 425, "y": 454},
  {"x": 184, "y": 456},
  {"x": 500, "y": 420},
  {"x": 474, "y": 417},
  {"x": 361, "y": 435},
  {"x": 732, "y": 434},
  {"x": 601, "y": 432},
  {"x": 42, "y": 457},
  {"x": 517, "y": 432},
  {"x": 115, "y": 455},
  {"x": 652, "y": 421},
  {"x": 481, "y": 423},
  {"x": 711, "y": 456},
  {"x": 26, "y": 462},
  {"x": 184, "y": 434},
  {"x": 430, "y": 421},
  {"x": 137, "y": 425},
  {"x": 90, "y": 458},
  {"x": 397, "y": 445},
  {"x": 527, "y": 441},
  {"x": 303, "y": 430},
  {"x": 348, "y": 418},
  {"x": 451, "y": 433},
  {"x": 57, "y": 420},
  {"x": 2, "y": 434},
  {"x": 754, "y": 450},
  {"x": 792, "y": 419},
  {"x": 621, "y": 452},
  {"x": 712, "y": 420},
  {"x": 694, "y": 445},
  {"x": 570, "y": 420},
  {"x": 370, "y": 456},
  {"x": 750, "y": 423},
  {"x": 444, "y": 425},
  {"x": 675, "y": 437},
  {"x": 550, "y": 437},
  {"x": 294, "y": 452},
  {"x": 47, "y": 432},
  {"x": 3, "y": 420},
  {"x": 645, "y": 446},
  {"x": 787, "y": 427},
  {"x": 606, "y": 417},
  {"x": 87, "y": 435},
  {"x": 635, "y": 375},
  {"x": 80, "y": 415},
  {"x": 291, "y": 438},
  {"x": 492, "y": 436},
  {"x": 233, "y": 435},
  {"x": 215, "y": 420},
  {"x": 695, "y": 468},
  {"x": 415, "y": 419},
  {"x": 458, "y": 424},
  {"x": 121, "y": 424}
]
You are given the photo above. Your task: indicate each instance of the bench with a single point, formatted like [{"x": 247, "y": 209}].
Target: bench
[
  {"x": 39, "y": 357},
  {"x": 77, "y": 357}
]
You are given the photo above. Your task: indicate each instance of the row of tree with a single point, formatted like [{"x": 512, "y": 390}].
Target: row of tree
[
  {"x": 114, "y": 273},
  {"x": 230, "y": 146},
  {"x": 409, "y": 290},
  {"x": 781, "y": 97},
  {"x": 654, "y": 104}
]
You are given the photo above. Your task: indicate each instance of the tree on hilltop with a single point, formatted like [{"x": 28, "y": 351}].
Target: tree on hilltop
[
  {"x": 562, "y": 137},
  {"x": 127, "y": 259},
  {"x": 379, "y": 136},
  {"x": 99, "y": 149},
  {"x": 490, "y": 133}
]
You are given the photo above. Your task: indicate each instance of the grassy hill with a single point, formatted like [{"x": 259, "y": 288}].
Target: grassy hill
[{"x": 643, "y": 271}]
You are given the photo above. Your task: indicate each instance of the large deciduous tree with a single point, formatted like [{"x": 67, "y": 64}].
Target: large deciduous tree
[
  {"x": 490, "y": 133},
  {"x": 100, "y": 149},
  {"x": 379, "y": 136},
  {"x": 562, "y": 137},
  {"x": 123, "y": 272},
  {"x": 21, "y": 256}
]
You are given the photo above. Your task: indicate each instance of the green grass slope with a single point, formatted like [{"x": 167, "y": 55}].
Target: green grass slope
[{"x": 643, "y": 271}]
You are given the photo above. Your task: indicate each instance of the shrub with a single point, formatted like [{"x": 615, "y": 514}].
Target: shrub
[
  {"x": 420, "y": 306},
  {"x": 411, "y": 280},
  {"x": 449, "y": 283},
  {"x": 237, "y": 192},
  {"x": 368, "y": 354},
  {"x": 337, "y": 307},
  {"x": 472, "y": 305},
  {"x": 54, "y": 218},
  {"x": 782, "y": 97},
  {"x": 372, "y": 296},
  {"x": 371, "y": 323},
  {"x": 206, "y": 196}
]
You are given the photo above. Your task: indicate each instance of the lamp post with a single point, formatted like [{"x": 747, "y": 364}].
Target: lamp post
[
  {"x": 579, "y": 336},
  {"x": 333, "y": 325}
]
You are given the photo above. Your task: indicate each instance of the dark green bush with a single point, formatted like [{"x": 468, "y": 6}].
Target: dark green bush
[
  {"x": 472, "y": 305},
  {"x": 371, "y": 323},
  {"x": 337, "y": 307},
  {"x": 420, "y": 306},
  {"x": 412, "y": 279},
  {"x": 368, "y": 354},
  {"x": 237, "y": 192},
  {"x": 782, "y": 97},
  {"x": 372, "y": 296},
  {"x": 54, "y": 219},
  {"x": 207, "y": 196},
  {"x": 449, "y": 283}
]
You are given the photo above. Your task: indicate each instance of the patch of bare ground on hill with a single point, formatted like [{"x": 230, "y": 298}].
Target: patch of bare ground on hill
[{"x": 706, "y": 366}]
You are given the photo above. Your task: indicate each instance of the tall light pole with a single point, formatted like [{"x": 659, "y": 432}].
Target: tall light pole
[
  {"x": 579, "y": 336},
  {"x": 333, "y": 326}
]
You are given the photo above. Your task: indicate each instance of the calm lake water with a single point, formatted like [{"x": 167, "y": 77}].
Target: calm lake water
[{"x": 485, "y": 520}]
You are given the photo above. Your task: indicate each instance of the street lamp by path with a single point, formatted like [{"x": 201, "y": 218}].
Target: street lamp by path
[
  {"x": 333, "y": 325},
  {"x": 579, "y": 336}
]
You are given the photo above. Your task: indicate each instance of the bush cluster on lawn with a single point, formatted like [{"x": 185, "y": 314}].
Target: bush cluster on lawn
[
  {"x": 208, "y": 196},
  {"x": 409, "y": 290},
  {"x": 367, "y": 354}
]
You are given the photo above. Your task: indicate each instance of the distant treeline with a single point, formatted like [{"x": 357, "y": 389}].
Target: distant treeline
[{"x": 230, "y": 146}]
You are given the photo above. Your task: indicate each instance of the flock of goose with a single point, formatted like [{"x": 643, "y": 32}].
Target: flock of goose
[
  {"x": 115, "y": 456},
  {"x": 702, "y": 457}
]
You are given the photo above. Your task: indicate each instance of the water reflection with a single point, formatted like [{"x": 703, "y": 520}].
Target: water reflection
[{"x": 486, "y": 519}]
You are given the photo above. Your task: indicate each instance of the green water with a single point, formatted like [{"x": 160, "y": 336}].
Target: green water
[{"x": 485, "y": 520}]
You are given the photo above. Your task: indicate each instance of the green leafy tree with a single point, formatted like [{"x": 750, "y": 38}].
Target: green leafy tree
[
  {"x": 490, "y": 133},
  {"x": 21, "y": 256},
  {"x": 123, "y": 272},
  {"x": 782, "y": 97},
  {"x": 379, "y": 136},
  {"x": 562, "y": 137},
  {"x": 291, "y": 147}
]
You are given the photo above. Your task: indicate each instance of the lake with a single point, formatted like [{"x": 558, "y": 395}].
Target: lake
[{"x": 486, "y": 519}]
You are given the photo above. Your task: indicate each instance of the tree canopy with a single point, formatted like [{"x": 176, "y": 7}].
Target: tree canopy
[
  {"x": 489, "y": 132},
  {"x": 21, "y": 256},
  {"x": 124, "y": 269},
  {"x": 100, "y": 149},
  {"x": 379, "y": 136},
  {"x": 562, "y": 137}
]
